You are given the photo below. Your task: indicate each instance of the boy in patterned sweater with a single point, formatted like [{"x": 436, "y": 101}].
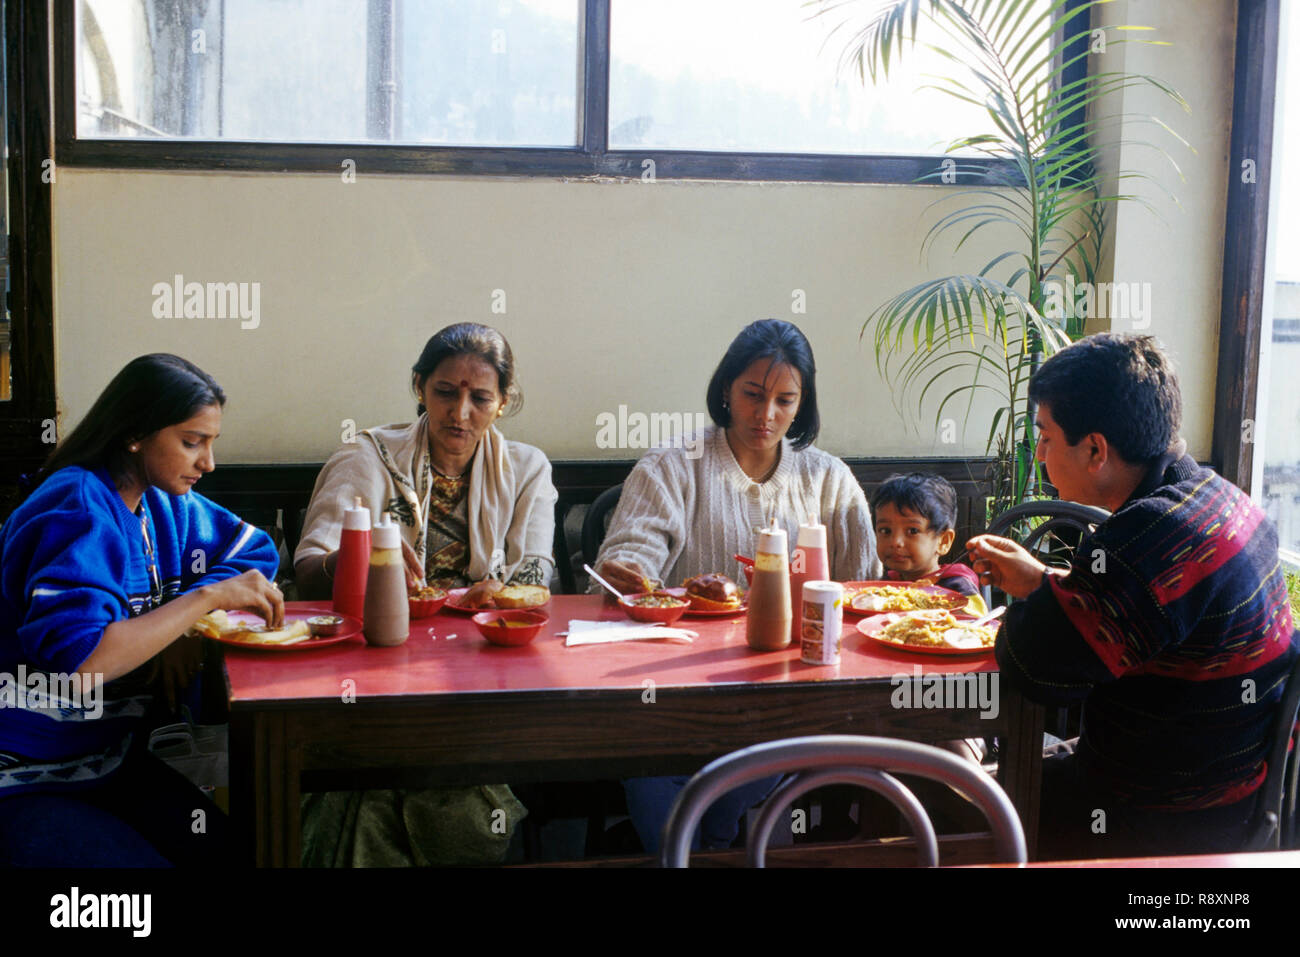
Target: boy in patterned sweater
[{"x": 1172, "y": 625}]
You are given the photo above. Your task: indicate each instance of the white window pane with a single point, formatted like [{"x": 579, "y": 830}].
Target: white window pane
[
  {"x": 490, "y": 74},
  {"x": 762, "y": 76},
  {"x": 454, "y": 72},
  {"x": 1279, "y": 403}
]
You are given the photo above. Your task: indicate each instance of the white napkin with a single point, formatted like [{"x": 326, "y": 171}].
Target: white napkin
[{"x": 599, "y": 632}]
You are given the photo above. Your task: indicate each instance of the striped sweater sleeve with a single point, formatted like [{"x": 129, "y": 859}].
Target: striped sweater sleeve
[{"x": 215, "y": 544}]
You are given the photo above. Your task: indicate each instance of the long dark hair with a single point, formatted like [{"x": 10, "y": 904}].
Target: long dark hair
[
  {"x": 150, "y": 393},
  {"x": 471, "y": 339},
  {"x": 782, "y": 342}
]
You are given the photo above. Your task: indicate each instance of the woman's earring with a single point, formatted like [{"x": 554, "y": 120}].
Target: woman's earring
[{"x": 134, "y": 448}]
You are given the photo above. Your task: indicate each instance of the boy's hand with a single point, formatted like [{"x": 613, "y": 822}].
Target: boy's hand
[{"x": 1002, "y": 563}]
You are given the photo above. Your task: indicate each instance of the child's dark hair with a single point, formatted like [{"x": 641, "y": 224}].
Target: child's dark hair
[{"x": 929, "y": 495}]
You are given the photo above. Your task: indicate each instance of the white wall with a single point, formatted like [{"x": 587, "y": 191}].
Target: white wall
[{"x": 616, "y": 292}]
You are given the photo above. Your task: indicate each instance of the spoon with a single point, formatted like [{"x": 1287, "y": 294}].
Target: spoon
[
  {"x": 995, "y": 613},
  {"x": 608, "y": 587},
  {"x": 962, "y": 636}
]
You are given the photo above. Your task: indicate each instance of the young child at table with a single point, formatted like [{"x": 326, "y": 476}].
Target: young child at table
[{"x": 916, "y": 518}]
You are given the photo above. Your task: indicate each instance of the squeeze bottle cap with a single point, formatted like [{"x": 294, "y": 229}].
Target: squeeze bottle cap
[
  {"x": 356, "y": 518},
  {"x": 771, "y": 541},
  {"x": 386, "y": 534},
  {"x": 811, "y": 536}
]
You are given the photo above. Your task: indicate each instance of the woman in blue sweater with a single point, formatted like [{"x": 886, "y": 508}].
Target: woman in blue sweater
[{"x": 108, "y": 561}]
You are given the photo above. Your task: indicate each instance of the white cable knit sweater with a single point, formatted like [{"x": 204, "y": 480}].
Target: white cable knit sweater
[{"x": 679, "y": 517}]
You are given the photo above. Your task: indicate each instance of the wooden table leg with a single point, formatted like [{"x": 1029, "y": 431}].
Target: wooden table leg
[
  {"x": 1020, "y": 765},
  {"x": 265, "y": 775}
]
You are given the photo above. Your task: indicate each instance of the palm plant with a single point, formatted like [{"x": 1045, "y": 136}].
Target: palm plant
[{"x": 1024, "y": 62}]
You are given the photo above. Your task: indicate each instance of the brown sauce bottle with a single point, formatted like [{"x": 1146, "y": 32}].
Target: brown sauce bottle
[
  {"x": 767, "y": 621},
  {"x": 387, "y": 611}
]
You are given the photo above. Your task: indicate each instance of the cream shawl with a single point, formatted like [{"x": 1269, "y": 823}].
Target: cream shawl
[{"x": 511, "y": 498}]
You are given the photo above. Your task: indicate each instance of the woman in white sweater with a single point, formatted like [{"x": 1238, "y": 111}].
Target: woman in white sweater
[{"x": 687, "y": 511}]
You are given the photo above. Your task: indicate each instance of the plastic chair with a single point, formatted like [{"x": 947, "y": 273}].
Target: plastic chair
[
  {"x": 1274, "y": 824},
  {"x": 820, "y": 760},
  {"x": 593, "y": 523}
]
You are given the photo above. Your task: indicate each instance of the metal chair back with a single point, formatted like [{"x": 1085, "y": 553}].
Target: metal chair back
[
  {"x": 839, "y": 759},
  {"x": 1275, "y": 819},
  {"x": 1058, "y": 515}
]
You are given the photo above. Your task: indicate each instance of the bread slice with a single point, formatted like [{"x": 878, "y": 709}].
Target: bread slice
[
  {"x": 211, "y": 625},
  {"x": 522, "y": 596},
  {"x": 290, "y": 634}
]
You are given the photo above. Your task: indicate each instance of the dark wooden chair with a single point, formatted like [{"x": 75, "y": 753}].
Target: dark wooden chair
[
  {"x": 596, "y": 522},
  {"x": 1051, "y": 530}
]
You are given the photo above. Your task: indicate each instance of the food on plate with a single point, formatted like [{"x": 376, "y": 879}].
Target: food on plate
[
  {"x": 492, "y": 594},
  {"x": 292, "y": 633},
  {"x": 480, "y": 595},
  {"x": 211, "y": 625},
  {"x": 428, "y": 593},
  {"x": 657, "y": 600},
  {"x": 217, "y": 624},
  {"x": 938, "y": 629},
  {"x": 890, "y": 598},
  {"x": 712, "y": 592},
  {"x": 522, "y": 596}
]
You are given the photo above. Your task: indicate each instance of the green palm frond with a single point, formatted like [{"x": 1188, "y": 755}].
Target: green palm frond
[{"x": 1056, "y": 126}]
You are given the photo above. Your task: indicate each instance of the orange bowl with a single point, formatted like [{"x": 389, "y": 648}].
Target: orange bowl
[
  {"x": 661, "y": 615},
  {"x": 511, "y": 627},
  {"x": 426, "y": 607}
]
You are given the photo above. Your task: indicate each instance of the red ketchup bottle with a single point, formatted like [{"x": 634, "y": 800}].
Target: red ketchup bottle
[
  {"x": 809, "y": 563},
  {"x": 353, "y": 562}
]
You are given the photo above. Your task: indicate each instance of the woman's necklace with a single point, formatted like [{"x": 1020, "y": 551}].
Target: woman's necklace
[
  {"x": 155, "y": 580},
  {"x": 454, "y": 478}
]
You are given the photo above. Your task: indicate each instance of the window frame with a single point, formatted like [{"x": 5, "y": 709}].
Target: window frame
[
  {"x": 27, "y": 86},
  {"x": 1241, "y": 310},
  {"x": 592, "y": 158}
]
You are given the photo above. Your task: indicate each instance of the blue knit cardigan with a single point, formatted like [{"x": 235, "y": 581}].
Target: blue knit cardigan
[{"x": 73, "y": 560}]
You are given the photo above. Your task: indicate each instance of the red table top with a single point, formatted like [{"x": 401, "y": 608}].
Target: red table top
[{"x": 445, "y": 654}]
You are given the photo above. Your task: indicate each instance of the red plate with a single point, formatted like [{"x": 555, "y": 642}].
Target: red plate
[
  {"x": 694, "y": 613},
  {"x": 852, "y": 588},
  {"x": 454, "y": 595},
  {"x": 351, "y": 629},
  {"x": 873, "y": 626}
]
